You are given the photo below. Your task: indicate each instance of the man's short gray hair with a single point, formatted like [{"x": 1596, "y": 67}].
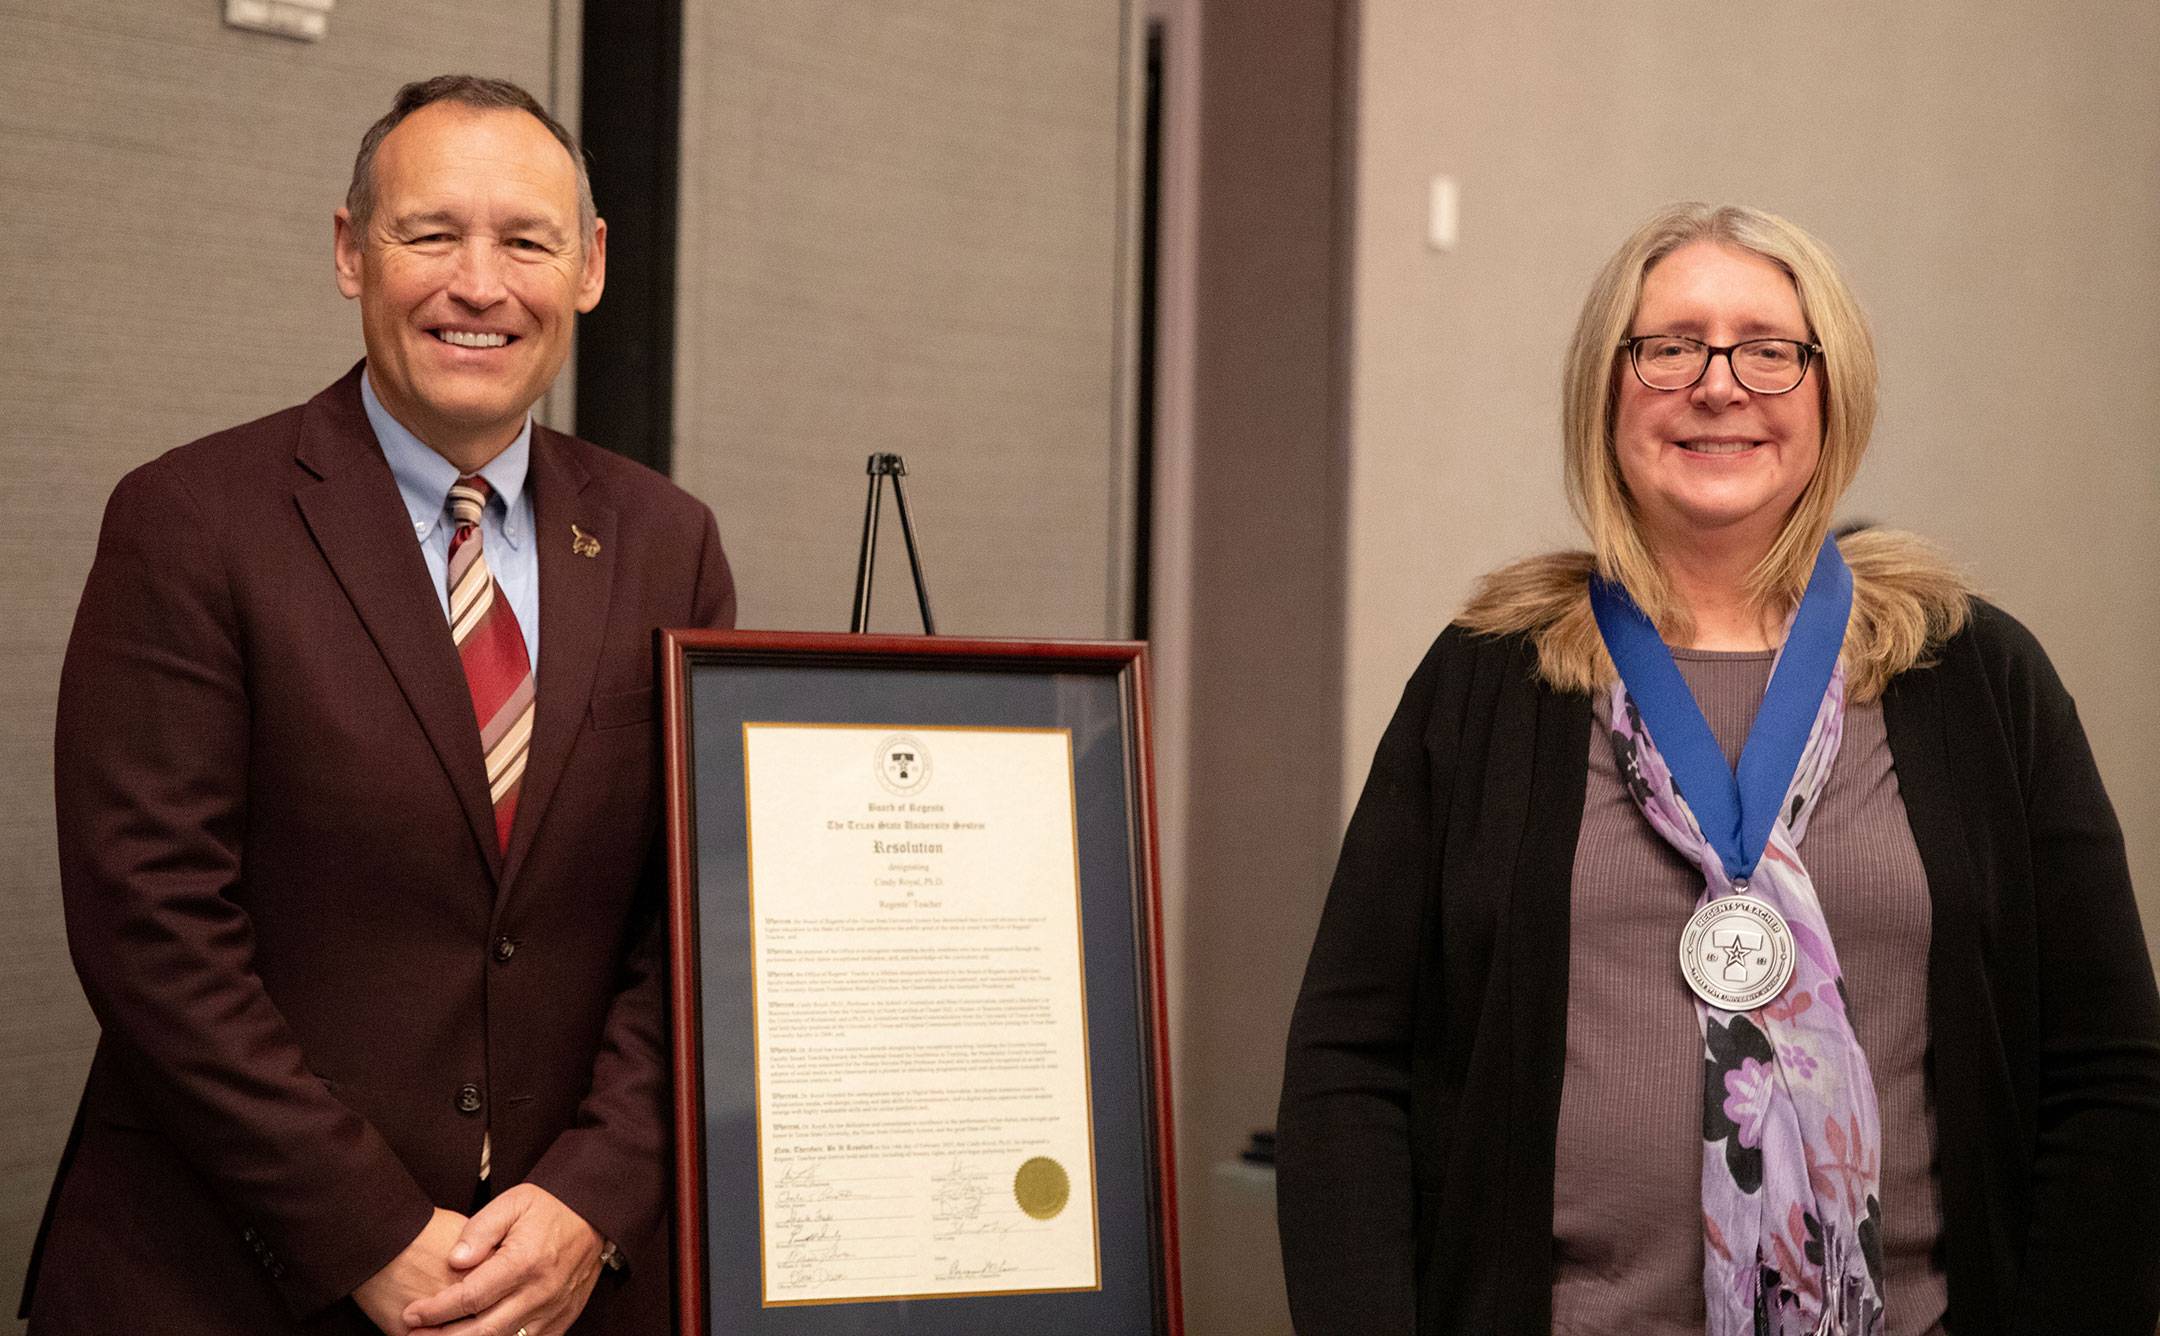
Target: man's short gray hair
[{"x": 466, "y": 90}]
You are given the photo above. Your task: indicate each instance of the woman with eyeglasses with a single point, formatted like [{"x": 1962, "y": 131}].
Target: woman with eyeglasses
[{"x": 1734, "y": 935}]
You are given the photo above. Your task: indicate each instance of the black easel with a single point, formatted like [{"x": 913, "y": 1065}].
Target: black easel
[{"x": 881, "y": 468}]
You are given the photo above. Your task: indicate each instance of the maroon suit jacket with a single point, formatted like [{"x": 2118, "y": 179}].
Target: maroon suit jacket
[{"x": 318, "y": 980}]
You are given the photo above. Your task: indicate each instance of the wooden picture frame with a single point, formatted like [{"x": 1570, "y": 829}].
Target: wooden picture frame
[{"x": 717, "y": 690}]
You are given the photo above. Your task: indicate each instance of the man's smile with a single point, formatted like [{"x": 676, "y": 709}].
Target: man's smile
[{"x": 466, "y": 338}]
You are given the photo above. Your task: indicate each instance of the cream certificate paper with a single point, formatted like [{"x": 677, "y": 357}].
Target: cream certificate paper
[{"x": 924, "y": 1127}]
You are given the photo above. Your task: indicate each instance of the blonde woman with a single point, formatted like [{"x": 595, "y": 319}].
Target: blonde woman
[{"x": 1734, "y": 935}]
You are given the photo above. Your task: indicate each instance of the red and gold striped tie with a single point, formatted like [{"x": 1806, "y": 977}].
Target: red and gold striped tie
[{"x": 492, "y": 646}]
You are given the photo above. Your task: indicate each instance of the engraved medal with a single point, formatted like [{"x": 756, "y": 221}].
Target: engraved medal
[{"x": 1736, "y": 953}]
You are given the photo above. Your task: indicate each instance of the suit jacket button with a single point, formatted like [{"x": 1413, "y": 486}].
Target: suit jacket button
[
  {"x": 504, "y": 949},
  {"x": 468, "y": 1099}
]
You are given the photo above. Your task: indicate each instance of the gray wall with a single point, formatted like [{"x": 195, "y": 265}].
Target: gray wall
[
  {"x": 1250, "y": 525},
  {"x": 166, "y": 186},
  {"x": 907, "y": 227}
]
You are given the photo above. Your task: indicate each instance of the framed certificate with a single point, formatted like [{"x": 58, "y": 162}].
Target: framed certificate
[{"x": 921, "y": 1067}]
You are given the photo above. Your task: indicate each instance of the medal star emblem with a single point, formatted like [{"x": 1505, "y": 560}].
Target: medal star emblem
[{"x": 1736, "y": 953}]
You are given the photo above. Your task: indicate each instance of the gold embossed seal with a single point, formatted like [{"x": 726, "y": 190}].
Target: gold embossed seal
[{"x": 1041, "y": 1187}]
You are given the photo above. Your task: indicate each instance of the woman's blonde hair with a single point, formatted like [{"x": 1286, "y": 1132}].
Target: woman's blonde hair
[{"x": 1893, "y": 623}]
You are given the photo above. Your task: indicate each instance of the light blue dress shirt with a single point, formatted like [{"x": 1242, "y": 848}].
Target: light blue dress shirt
[{"x": 506, "y": 526}]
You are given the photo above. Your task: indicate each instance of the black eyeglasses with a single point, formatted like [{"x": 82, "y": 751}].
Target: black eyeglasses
[{"x": 1762, "y": 366}]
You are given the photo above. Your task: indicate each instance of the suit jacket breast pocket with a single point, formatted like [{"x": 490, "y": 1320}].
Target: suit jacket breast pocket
[{"x": 621, "y": 709}]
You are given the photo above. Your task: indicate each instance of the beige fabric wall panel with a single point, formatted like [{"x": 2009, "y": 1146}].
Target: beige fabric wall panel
[
  {"x": 1990, "y": 178},
  {"x": 906, "y": 228},
  {"x": 166, "y": 186}
]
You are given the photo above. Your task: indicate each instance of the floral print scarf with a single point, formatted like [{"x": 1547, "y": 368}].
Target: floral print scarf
[{"x": 1792, "y": 1138}]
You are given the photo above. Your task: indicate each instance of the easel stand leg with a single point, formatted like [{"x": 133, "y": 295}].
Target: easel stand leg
[{"x": 882, "y": 466}]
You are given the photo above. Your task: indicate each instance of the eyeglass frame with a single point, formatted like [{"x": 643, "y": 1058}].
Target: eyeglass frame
[{"x": 1808, "y": 353}]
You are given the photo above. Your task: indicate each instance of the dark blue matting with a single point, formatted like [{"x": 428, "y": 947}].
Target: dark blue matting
[{"x": 725, "y": 695}]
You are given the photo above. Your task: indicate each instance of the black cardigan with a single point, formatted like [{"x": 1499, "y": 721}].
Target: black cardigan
[{"x": 1421, "y": 1092}]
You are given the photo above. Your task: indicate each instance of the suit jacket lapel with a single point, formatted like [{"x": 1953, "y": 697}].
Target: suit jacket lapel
[
  {"x": 576, "y": 578},
  {"x": 359, "y": 520}
]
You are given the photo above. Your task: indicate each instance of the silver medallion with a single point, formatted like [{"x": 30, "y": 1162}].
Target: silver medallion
[{"x": 1736, "y": 953}]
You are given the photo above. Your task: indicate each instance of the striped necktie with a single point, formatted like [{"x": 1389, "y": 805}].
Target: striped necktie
[{"x": 497, "y": 669}]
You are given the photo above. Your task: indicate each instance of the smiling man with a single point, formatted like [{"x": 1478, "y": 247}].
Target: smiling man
[{"x": 357, "y": 800}]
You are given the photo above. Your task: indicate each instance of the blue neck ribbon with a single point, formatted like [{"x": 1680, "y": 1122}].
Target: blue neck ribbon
[{"x": 1735, "y": 810}]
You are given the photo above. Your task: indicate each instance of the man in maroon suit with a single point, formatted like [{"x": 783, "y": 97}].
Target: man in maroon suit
[{"x": 358, "y": 832}]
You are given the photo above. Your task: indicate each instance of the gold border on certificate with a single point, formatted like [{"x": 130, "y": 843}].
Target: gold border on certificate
[{"x": 1035, "y": 1189}]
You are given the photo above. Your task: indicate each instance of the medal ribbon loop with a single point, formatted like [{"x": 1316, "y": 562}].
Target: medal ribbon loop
[{"x": 1735, "y": 809}]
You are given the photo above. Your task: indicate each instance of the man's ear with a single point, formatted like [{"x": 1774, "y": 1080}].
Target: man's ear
[
  {"x": 594, "y": 275},
  {"x": 345, "y": 252}
]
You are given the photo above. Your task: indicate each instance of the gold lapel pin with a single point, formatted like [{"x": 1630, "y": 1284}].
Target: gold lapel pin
[{"x": 583, "y": 543}]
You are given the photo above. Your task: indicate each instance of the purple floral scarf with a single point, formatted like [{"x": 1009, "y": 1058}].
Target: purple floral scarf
[{"x": 1792, "y": 1153}]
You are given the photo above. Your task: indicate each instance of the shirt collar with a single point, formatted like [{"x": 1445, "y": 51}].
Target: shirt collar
[{"x": 424, "y": 477}]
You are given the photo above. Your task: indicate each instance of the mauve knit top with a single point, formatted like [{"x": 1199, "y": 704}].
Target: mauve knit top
[{"x": 1627, "y": 1232}]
